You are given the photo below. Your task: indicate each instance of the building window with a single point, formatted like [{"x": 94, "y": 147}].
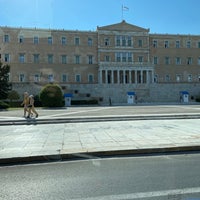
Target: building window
[
  {"x": 107, "y": 58},
  {"x": 199, "y": 61},
  {"x": 178, "y": 60},
  {"x": 50, "y": 58},
  {"x": 140, "y": 59},
  {"x": 198, "y": 45},
  {"x": 167, "y": 78},
  {"x": 123, "y": 41},
  {"x": 189, "y": 78},
  {"x": 50, "y": 40},
  {"x": 166, "y": 44},
  {"x": 21, "y": 78},
  {"x": 36, "y": 58},
  {"x": 189, "y": 61},
  {"x": 155, "y": 43},
  {"x": 90, "y": 59},
  {"x": 199, "y": 78},
  {"x": 123, "y": 57},
  {"x": 50, "y": 78},
  {"x": 117, "y": 40},
  {"x": 63, "y": 40},
  {"x": 90, "y": 78},
  {"x": 21, "y": 57},
  {"x": 177, "y": 44},
  {"x": 78, "y": 78},
  {"x": 178, "y": 78},
  {"x": 155, "y": 60},
  {"x": 130, "y": 57},
  {"x": 77, "y": 59},
  {"x": 167, "y": 60},
  {"x": 36, "y": 78},
  {"x": 64, "y": 78},
  {"x": 6, "y": 38},
  {"x": 36, "y": 40},
  {"x": 77, "y": 41},
  {"x": 90, "y": 43},
  {"x": 118, "y": 57},
  {"x": 7, "y": 57},
  {"x": 140, "y": 43},
  {"x": 21, "y": 39},
  {"x": 106, "y": 41},
  {"x": 129, "y": 41},
  {"x": 64, "y": 59},
  {"x": 188, "y": 44}
]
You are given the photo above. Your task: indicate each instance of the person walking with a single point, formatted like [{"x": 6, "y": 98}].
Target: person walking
[
  {"x": 31, "y": 107},
  {"x": 25, "y": 103}
]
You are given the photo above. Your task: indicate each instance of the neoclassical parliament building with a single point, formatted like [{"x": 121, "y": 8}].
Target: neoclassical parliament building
[{"x": 107, "y": 64}]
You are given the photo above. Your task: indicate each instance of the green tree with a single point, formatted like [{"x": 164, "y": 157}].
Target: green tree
[
  {"x": 13, "y": 95},
  {"x": 4, "y": 81},
  {"x": 51, "y": 96}
]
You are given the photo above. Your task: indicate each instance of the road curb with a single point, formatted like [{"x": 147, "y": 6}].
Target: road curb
[
  {"x": 95, "y": 154},
  {"x": 96, "y": 119}
]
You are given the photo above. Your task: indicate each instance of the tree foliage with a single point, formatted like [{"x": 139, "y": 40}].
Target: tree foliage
[
  {"x": 3, "y": 105},
  {"x": 4, "y": 81},
  {"x": 13, "y": 95},
  {"x": 51, "y": 96}
]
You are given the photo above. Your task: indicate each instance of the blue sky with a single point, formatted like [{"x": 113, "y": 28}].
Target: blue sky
[{"x": 161, "y": 16}]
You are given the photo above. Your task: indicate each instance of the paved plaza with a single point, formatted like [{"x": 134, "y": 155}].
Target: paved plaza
[{"x": 38, "y": 141}]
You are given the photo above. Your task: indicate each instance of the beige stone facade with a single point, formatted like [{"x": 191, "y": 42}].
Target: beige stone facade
[
  {"x": 42, "y": 56},
  {"x": 124, "y": 55},
  {"x": 176, "y": 58},
  {"x": 120, "y": 55}
]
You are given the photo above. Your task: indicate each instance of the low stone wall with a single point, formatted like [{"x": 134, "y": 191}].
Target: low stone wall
[
  {"x": 156, "y": 92},
  {"x": 171, "y": 92}
]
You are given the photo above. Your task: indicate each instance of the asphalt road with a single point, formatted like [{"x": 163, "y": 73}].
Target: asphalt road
[{"x": 174, "y": 177}]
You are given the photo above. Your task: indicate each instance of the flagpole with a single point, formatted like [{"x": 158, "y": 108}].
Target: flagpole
[
  {"x": 122, "y": 12},
  {"x": 124, "y": 8}
]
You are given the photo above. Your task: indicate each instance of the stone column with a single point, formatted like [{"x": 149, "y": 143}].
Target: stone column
[
  {"x": 130, "y": 77},
  {"x": 141, "y": 75},
  {"x": 147, "y": 76},
  {"x": 152, "y": 75},
  {"x": 112, "y": 76},
  {"x": 124, "y": 76},
  {"x": 136, "y": 77},
  {"x": 100, "y": 76},
  {"x": 118, "y": 77},
  {"x": 106, "y": 76}
]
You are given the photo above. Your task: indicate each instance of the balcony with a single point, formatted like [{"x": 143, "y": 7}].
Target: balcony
[{"x": 146, "y": 65}]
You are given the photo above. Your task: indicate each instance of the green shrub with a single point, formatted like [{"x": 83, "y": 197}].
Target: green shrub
[
  {"x": 37, "y": 102},
  {"x": 3, "y": 105},
  {"x": 51, "y": 96},
  {"x": 198, "y": 99},
  {"x": 84, "y": 102},
  {"x": 13, "y": 95},
  {"x": 14, "y": 104}
]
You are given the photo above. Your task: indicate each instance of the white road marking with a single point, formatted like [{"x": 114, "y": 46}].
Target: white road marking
[
  {"x": 76, "y": 112},
  {"x": 142, "y": 195},
  {"x": 14, "y": 118}
]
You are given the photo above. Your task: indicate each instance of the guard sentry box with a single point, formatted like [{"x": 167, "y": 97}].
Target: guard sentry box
[
  {"x": 184, "y": 96},
  {"x": 68, "y": 98},
  {"x": 130, "y": 97}
]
